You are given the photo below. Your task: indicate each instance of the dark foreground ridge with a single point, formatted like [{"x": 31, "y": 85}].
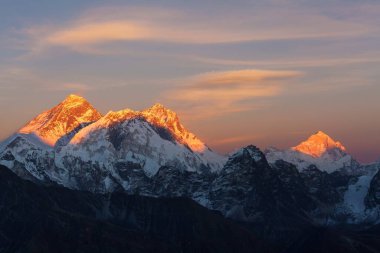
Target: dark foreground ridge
[{"x": 35, "y": 218}]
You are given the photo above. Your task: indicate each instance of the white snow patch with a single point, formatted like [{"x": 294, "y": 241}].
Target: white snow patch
[
  {"x": 354, "y": 196},
  {"x": 8, "y": 164}
]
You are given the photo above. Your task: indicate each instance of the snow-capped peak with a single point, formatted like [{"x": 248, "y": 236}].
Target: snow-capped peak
[
  {"x": 151, "y": 138},
  {"x": 118, "y": 116},
  {"x": 73, "y": 112},
  {"x": 318, "y": 144},
  {"x": 320, "y": 150},
  {"x": 160, "y": 116},
  {"x": 158, "y": 107},
  {"x": 73, "y": 99}
]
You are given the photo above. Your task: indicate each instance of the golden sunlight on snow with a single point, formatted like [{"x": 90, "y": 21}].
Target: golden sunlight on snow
[{"x": 318, "y": 144}]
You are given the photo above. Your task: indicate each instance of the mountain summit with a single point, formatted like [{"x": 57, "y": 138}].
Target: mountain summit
[
  {"x": 72, "y": 113},
  {"x": 320, "y": 150},
  {"x": 161, "y": 116},
  {"x": 318, "y": 144},
  {"x": 86, "y": 150}
]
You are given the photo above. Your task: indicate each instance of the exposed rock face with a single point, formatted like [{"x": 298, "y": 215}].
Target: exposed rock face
[{"x": 247, "y": 187}]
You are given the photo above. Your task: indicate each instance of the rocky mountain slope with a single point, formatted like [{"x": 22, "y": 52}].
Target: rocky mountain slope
[{"x": 37, "y": 218}]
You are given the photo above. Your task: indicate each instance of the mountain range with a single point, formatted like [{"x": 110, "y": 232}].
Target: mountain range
[{"x": 151, "y": 154}]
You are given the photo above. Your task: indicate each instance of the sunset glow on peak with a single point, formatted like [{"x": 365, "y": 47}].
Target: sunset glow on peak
[
  {"x": 161, "y": 116},
  {"x": 317, "y": 144},
  {"x": 61, "y": 120},
  {"x": 75, "y": 111},
  {"x": 74, "y": 97},
  {"x": 158, "y": 106}
]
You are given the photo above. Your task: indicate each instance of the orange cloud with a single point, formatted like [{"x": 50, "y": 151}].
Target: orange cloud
[
  {"x": 98, "y": 33},
  {"x": 217, "y": 93},
  {"x": 308, "y": 62},
  {"x": 110, "y": 24},
  {"x": 243, "y": 77},
  {"x": 92, "y": 33}
]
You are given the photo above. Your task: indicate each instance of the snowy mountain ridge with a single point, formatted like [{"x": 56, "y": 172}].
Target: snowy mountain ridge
[
  {"x": 57, "y": 145},
  {"x": 151, "y": 153}
]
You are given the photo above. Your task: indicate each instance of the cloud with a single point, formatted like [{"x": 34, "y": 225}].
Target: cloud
[
  {"x": 243, "y": 77},
  {"x": 217, "y": 93},
  {"x": 101, "y": 26},
  {"x": 299, "y": 62},
  {"x": 98, "y": 33}
]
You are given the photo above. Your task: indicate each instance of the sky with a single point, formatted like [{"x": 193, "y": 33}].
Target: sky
[{"x": 268, "y": 73}]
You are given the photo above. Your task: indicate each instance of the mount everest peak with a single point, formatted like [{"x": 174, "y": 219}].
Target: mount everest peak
[{"x": 72, "y": 113}]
